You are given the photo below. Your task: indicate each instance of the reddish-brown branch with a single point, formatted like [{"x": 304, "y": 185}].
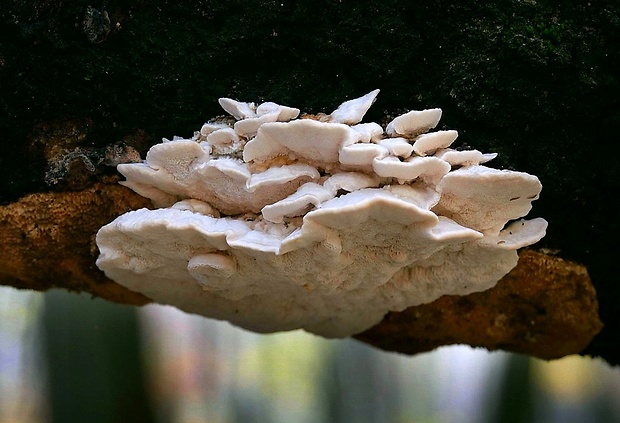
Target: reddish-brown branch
[{"x": 546, "y": 307}]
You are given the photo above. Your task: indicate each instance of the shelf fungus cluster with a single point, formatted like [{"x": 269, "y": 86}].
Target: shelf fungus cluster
[{"x": 275, "y": 222}]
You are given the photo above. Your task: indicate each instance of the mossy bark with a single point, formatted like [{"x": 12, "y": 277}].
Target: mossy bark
[{"x": 536, "y": 82}]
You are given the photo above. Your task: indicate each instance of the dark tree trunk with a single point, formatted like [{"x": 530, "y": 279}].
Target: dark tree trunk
[{"x": 536, "y": 82}]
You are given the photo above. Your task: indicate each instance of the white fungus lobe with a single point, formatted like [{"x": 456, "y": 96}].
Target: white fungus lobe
[{"x": 277, "y": 223}]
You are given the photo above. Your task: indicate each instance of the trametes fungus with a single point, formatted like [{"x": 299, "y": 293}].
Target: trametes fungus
[{"x": 324, "y": 223}]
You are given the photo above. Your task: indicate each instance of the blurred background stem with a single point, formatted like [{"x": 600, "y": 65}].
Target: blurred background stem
[{"x": 94, "y": 363}]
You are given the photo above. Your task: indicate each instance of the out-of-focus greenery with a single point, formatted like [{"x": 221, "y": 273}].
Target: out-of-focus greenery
[
  {"x": 88, "y": 360},
  {"x": 93, "y": 360}
]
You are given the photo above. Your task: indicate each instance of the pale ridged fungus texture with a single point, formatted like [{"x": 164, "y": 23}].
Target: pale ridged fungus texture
[{"x": 275, "y": 222}]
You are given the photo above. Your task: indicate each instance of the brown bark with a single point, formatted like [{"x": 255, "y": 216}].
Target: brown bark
[
  {"x": 546, "y": 307},
  {"x": 48, "y": 240}
]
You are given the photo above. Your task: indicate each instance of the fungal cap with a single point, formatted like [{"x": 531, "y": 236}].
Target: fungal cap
[{"x": 278, "y": 223}]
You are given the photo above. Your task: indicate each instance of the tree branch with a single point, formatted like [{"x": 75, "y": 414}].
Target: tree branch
[{"x": 546, "y": 307}]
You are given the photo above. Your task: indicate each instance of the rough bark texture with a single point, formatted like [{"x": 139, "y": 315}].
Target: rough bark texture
[
  {"x": 48, "y": 240},
  {"x": 85, "y": 85},
  {"x": 545, "y": 307}
]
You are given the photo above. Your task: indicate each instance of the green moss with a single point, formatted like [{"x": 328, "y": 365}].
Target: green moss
[{"x": 535, "y": 81}]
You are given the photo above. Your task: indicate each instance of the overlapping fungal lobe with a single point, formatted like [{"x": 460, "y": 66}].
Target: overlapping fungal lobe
[{"x": 277, "y": 223}]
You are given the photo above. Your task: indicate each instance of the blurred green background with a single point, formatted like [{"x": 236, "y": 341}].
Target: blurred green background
[{"x": 71, "y": 358}]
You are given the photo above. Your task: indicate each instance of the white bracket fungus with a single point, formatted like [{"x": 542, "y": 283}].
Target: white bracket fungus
[{"x": 276, "y": 223}]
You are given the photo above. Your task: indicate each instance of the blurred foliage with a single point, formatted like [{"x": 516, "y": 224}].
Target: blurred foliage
[{"x": 187, "y": 369}]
